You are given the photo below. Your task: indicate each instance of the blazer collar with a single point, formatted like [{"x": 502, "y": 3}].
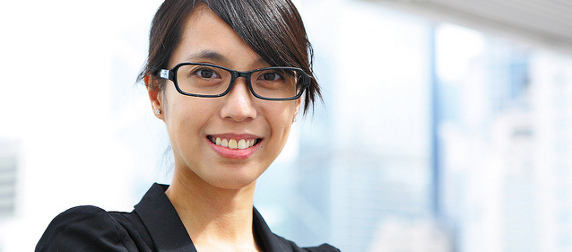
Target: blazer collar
[
  {"x": 169, "y": 234},
  {"x": 265, "y": 238},
  {"x": 162, "y": 221}
]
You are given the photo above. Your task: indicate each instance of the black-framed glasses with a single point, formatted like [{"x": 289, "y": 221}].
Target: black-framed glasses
[{"x": 209, "y": 81}]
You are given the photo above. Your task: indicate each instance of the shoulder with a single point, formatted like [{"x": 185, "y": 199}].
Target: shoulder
[
  {"x": 85, "y": 228},
  {"x": 322, "y": 248},
  {"x": 274, "y": 242}
]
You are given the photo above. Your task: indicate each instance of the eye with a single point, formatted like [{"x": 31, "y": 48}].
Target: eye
[
  {"x": 269, "y": 76},
  {"x": 206, "y": 73}
]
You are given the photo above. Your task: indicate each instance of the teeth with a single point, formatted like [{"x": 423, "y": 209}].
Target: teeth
[
  {"x": 242, "y": 144},
  {"x": 235, "y": 144},
  {"x": 232, "y": 144}
]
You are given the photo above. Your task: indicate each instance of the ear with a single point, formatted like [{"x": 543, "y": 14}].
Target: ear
[{"x": 155, "y": 96}]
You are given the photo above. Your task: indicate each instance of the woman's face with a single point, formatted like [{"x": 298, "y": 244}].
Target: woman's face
[{"x": 194, "y": 123}]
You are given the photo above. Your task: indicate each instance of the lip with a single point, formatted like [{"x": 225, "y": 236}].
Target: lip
[
  {"x": 234, "y": 153},
  {"x": 235, "y": 136}
]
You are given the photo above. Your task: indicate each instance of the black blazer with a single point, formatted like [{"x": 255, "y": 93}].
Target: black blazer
[{"x": 154, "y": 225}]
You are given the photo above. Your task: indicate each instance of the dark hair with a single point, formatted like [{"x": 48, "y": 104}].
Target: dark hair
[{"x": 272, "y": 28}]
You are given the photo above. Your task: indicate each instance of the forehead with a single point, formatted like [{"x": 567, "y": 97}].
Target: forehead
[{"x": 204, "y": 31}]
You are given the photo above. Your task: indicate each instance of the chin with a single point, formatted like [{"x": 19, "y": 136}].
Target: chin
[
  {"x": 232, "y": 176},
  {"x": 233, "y": 180},
  {"x": 234, "y": 183}
]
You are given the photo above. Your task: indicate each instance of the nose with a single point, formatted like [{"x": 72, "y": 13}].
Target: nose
[{"x": 238, "y": 104}]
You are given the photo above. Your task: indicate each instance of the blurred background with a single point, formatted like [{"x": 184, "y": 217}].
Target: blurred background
[{"x": 446, "y": 125}]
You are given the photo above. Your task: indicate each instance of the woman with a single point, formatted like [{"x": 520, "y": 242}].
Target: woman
[{"x": 227, "y": 78}]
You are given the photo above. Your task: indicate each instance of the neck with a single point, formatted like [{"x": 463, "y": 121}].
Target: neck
[{"x": 214, "y": 217}]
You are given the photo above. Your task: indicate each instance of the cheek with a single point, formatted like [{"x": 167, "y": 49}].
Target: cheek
[
  {"x": 281, "y": 118},
  {"x": 185, "y": 116},
  {"x": 189, "y": 117}
]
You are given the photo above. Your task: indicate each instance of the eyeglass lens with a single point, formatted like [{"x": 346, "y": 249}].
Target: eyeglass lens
[{"x": 209, "y": 80}]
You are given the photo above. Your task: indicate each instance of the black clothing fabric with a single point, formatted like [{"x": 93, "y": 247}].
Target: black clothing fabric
[{"x": 154, "y": 225}]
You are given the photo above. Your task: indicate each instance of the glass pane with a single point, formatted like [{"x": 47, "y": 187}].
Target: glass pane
[
  {"x": 203, "y": 80},
  {"x": 276, "y": 82}
]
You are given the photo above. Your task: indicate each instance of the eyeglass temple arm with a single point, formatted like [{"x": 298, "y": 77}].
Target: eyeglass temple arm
[{"x": 166, "y": 74}]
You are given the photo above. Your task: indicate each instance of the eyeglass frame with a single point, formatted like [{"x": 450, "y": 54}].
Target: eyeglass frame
[{"x": 171, "y": 74}]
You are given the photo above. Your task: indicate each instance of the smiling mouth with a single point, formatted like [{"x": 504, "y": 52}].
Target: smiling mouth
[{"x": 234, "y": 144}]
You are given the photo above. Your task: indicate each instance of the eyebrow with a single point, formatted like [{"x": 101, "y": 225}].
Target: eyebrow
[
  {"x": 215, "y": 56},
  {"x": 207, "y": 54}
]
